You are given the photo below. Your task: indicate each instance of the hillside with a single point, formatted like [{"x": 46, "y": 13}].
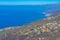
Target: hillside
[{"x": 47, "y": 29}]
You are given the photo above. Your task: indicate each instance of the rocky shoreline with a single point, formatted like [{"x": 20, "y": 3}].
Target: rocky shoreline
[{"x": 47, "y": 29}]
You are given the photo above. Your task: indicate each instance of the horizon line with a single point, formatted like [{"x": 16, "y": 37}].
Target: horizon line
[{"x": 27, "y": 3}]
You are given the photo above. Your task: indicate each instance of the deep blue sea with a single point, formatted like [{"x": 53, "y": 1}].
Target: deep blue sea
[{"x": 18, "y": 15}]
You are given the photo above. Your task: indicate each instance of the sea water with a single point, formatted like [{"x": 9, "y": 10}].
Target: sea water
[{"x": 18, "y": 15}]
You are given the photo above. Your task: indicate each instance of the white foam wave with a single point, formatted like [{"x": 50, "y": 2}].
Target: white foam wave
[{"x": 47, "y": 14}]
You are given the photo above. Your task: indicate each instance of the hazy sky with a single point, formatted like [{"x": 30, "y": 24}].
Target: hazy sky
[
  {"x": 29, "y": 0},
  {"x": 24, "y": 2}
]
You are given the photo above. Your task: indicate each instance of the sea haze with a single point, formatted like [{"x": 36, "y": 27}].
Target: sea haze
[{"x": 18, "y": 15}]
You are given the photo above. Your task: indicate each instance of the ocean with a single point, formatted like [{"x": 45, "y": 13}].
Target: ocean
[{"x": 18, "y": 15}]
